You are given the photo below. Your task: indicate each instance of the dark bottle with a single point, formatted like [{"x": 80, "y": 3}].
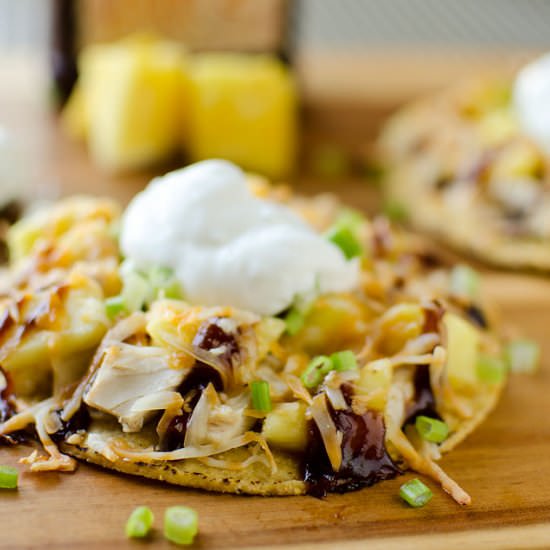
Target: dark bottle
[{"x": 63, "y": 50}]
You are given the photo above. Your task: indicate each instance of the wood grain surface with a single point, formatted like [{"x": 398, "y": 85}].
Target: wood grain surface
[{"x": 504, "y": 465}]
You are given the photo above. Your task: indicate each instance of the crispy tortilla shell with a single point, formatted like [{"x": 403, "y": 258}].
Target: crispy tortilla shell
[{"x": 255, "y": 479}]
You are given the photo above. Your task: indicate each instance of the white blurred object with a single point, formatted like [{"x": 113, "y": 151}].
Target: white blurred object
[
  {"x": 13, "y": 183},
  {"x": 532, "y": 100}
]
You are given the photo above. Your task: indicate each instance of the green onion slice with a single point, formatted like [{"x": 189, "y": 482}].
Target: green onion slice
[
  {"x": 164, "y": 283},
  {"x": 351, "y": 218},
  {"x": 139, "y": 523},
  {"x": 261, "y": 399},
  {"x": 316, "y": 371},
  {"x": 522, "y": 356},
  {"x": 181, "y": 524},
  {"x": 8, "y": 477},
  {"x": 343, "y": 237},
  {"x": 431, "y": 429},
  {"x": 344, "y": 360},
  {"x": 395, "y": 210},
  {"x": 464, "y": 281},
  {"x": 136, "y": 290},
  {"x": 294, "y": 321},
  {"x": 329, "y": 161},
  {"x": 415, "y": 493},
  {"x": 114, "y": 306},
  {"x": 490, "y": 370}
]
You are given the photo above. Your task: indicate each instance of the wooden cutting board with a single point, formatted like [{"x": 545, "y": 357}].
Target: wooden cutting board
[{"x": 504, "y": 465}]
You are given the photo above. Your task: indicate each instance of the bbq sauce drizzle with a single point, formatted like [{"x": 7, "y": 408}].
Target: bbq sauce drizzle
[
  {"x": 365, "y": 460},
  {"x": 7, "y": 410}
]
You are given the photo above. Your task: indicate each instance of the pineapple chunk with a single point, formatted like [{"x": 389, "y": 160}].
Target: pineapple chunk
[
  {"x": 57, "y": 348},
  {"x": 463, "y": 341},
  {"x": 334, "y": 322},
  {"x": 29, "y": 365},
  {"x": 243, "y": 110},
  {"x": 374, "y": 383},
  {"x": 134, "y": 96},
  {"x": 285, "y": 426},
  {"x": 399, "y": 324}
]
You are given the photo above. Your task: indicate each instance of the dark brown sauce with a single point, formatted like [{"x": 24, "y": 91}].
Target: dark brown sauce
[
  {"x": 365, "y": 460},
  {"x": 211, "y": 335},
  {"x": 424, "y": 400},
  {"x": 191, "y": 389},
  {"x": 79, "y": 421},
  {"x": 7, "y": 410},
  {"x": 433, "y": 316}
]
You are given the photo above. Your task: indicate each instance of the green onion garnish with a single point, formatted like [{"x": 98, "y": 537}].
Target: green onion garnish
[
  {"x": 294, "y": 321},
  {"x": 164, "y": 283},
  {"x": 8, "y": 477},
  {"x": 343, "y": 360},
  {"x": 522, "y": 356},
  {"x": 316, "y": 371},
  {"x": 329, "y": 161},
  {"x": 343, "y": 237},
  {"x": 395, "y": 210},
  {"x": 181, "y": 524},
  {"x": 415, "y": 493},
  {"x": 464, "y": 281},
  {"x": 139, "y": 523},
  {"x": 114, "y": 306},
  {"x": 431, "y": 429},
  {"x": 261, "y": 399},
  {"x": 136, "y": 290},
  {"x": 350, "y": 218},
  {"x": 490, "y": 370}
]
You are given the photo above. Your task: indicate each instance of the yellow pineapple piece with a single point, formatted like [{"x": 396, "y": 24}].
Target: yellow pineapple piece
[
  {"x": 463, "y": 341},
  {"x": 374, "y": 383},
  {"x": 243, "y": 110},
  {"x": 134, "y": 98},
  {"x": 285, "y": 426}
]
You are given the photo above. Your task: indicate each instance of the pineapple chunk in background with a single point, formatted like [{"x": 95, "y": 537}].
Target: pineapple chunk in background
[
  {"x": 243, "y": 109},
  {"x": 130, "y": 102}
]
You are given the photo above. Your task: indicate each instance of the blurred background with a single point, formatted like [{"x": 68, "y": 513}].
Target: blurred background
[{"x": 335, "y": 70}]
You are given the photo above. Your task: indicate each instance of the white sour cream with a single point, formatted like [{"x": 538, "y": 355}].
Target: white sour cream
[
  {"x": 532, "y": 100},
  {"x": 228, "y": 247}
]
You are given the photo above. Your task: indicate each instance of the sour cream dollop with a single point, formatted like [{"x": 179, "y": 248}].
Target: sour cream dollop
[
  {"x": 532, "y": 100},
  {"x": 228, "y": 247}
]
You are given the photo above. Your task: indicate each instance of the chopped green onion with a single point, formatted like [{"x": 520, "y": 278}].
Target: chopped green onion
[
  {"x": 351, "y": 218},
  {"x": 164, "y": 283},
  {"x": 522, "y": 356},
  {"x": 8, "y": 477},
  {"x": 114, "y": 306},
  {"x": 374, "y": 173},
  {"x": 294, "y": 321},
  {"x": 431, "y": 429},
  {"x": 395, "y": 210},
  {"x": 464, "y": 281},
  {"x": 181, "y": 524},
  {"x": 344, "y": 360},
  {"x": 329, "y": 161},
  {"x": 343, "y": 237},
  {"x": 490, "y": 370},
  {"x": 261, "y": 399},
  {"x": 139, "y": 523},
  {"x": 316, "y": 371},
  {"x": 136, "y": 290},
  {"x": 415, "y": 493}
]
